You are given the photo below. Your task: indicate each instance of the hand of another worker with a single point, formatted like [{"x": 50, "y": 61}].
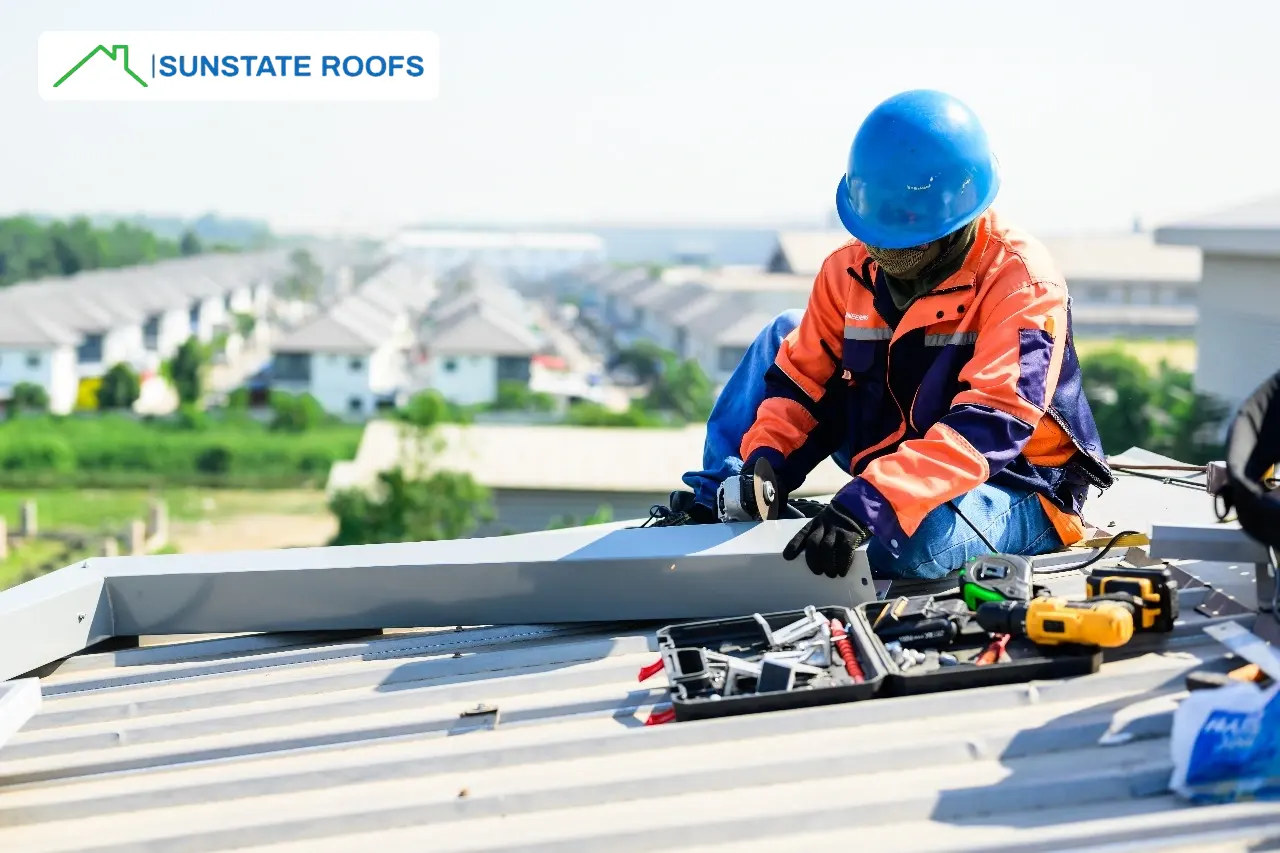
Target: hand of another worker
[
  {"x": 736, "y": 499},
  {"x": 828, "y": 541}
]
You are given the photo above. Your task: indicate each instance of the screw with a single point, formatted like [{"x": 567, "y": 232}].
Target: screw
[{"x": 79, "y": 617}]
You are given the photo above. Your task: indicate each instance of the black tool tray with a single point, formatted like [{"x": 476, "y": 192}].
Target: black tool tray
[
  {"x": 1028, "y": 662},
  {"x": 742, "y": 637}
]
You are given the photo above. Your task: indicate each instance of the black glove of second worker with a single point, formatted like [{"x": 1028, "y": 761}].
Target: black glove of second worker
[{"x": 828, "y": 542}]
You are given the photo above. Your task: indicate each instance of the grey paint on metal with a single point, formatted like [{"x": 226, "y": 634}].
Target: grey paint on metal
[
  {"x": 575, "y": 575},
  {"x": 19, "y": 700},
  {"x": 297, "y": 755},
  {"x": 52, "y": 617},
  {"x": 1217, "y": 543}
]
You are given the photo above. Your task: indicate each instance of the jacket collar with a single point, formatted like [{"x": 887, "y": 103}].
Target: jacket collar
[{"x": 952, "y": 297}]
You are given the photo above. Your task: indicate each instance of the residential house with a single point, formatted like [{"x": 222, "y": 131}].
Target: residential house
[
  {"x": 473, "y": 348},
  {"x": 36, "y": 350},
  {"x": 1238, "y": 329},
  {"x": 352, "y": 358}
]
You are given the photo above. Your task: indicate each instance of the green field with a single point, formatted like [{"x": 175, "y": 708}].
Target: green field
[
  {"x": 1179, "y": 352},
  {"x": 99, "y": 512},
  {"x": 110, "y": 509}
]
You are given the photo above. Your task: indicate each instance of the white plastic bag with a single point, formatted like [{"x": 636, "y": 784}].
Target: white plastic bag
[{"x": 1226, "y": 745}]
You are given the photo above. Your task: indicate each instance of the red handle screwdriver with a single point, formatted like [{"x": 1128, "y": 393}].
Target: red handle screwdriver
[{"x": 845, "y": 648}]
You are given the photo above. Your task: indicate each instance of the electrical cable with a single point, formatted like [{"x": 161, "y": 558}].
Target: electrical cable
[
  {"x": 1168, "y": 481},
  {"x": 1095, "y": 557},
  {"x": 973, "y": 527}
]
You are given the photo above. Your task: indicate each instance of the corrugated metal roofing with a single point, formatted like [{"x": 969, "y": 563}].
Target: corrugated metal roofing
[{"x": 373, "y": 743}]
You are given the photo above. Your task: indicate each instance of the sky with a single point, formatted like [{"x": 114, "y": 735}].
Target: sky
[{"x": 571, "y": 112}]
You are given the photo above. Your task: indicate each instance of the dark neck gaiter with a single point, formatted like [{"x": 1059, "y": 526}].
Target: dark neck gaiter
[{"x": 911, "y": 273}]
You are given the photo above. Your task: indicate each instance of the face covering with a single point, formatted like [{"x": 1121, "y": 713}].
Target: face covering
[{"x": 913, "y": 272}]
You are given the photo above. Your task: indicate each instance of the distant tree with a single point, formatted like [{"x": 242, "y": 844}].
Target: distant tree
[
  {"x": 428, "y": 408},
  {"x": 120, "y": 388},
  {"x": 245, "y": 323},
  {"x": 515, "y": 396},
  {"x": 295, "y": 412},
  {"x": 186, "y": 370},
  {"x": 28, "y": 397},
  {"x": 238, "y": 400},
  {"x": 682, "y": 388},
  {"x": 30, "y": 249},
  {"x": 443, "y": 505},
  {"x": 602, "y": 515},
  {"x": 644, "y": 359},
  {"x": 596, "y": 415},
  {"x": 1161, "y": 412},
  {"x": 304, "y": 277},
  {"x": 190, "y": 244}
]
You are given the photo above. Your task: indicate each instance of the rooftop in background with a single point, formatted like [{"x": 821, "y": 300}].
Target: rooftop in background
[
  {"x": 556, "y": 458},
  {"x": 540, "y": 240},
  {"x": 1096, "y": 257},
  {"x": 480, "y": 328},
  {"x": 1251, "y": 229}
]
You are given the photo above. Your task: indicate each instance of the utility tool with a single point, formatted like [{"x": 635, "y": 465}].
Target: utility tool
[
  {"x": 1208, "y": 679},
  {"x": 996, "y": 577},
  {"x": 770, "y": 502},
  {"x": 995, "y": 652},
  {"x": 1105, "y": 622},
  {"x": 922, "y": 622},
  {"x": 841, "y": 641},
  {"x": 1152, "y": 587}
]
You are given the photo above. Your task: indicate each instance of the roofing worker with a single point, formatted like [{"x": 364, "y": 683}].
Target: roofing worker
[{"x": 934, "y": 362}]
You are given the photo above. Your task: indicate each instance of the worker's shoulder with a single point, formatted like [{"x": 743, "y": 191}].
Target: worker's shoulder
[
  {"x": 1014, "y": 259},
  {"x": 847, "y": 257}
]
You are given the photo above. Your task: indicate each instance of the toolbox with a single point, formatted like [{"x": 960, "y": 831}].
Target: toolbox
[
  {"x": 743, "y": 638},
  {"x": 1027, "y": 661}
]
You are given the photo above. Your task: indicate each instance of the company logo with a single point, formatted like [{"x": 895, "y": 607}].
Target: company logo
[
  {"x": 239, "y": 66},
  {"x": 121, "y": 50},
  {"x": 859, "y": 318}
]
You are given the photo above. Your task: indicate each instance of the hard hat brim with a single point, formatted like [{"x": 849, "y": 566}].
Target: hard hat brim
[{"x": 904, "y": 237}]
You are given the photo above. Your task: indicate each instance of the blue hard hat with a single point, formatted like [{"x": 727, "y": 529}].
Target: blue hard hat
[{"x": 920, "y": 167}]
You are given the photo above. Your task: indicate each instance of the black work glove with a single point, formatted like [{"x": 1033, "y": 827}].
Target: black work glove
[{"x": 828, "y": 542}]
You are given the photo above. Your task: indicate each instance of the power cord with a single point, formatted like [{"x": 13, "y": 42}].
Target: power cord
[
  {"x": 973, "y": 527},
  {"x": 1084, "y": 564}
]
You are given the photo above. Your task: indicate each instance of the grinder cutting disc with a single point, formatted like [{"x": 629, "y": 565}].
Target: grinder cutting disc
[{"x": 765, "y": 486}]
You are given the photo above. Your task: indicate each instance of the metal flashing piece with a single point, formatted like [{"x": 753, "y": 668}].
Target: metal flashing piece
[
  {"x": 1217, "y": 543},
  {"x": 575, "y": 575},
  {"x": 19, "y": 701}
]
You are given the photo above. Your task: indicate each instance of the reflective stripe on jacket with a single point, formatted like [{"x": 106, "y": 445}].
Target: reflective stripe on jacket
[{"x": 978, "y": 381}]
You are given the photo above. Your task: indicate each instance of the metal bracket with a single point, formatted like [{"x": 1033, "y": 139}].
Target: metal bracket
[{"x": 582, "y": 574}]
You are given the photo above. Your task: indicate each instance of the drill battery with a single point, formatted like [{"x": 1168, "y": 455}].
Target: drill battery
[
  {"x": 1153, "y": 590},
  {"x": 921, "y": 622}
]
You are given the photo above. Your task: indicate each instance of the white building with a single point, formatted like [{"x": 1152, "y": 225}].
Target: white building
[
  {"x": 526, "y": 254},
  {"x": 353, "y": 358},
  {"x": 1238, "y": 333},
  {"x": 473, "y": 348},
  {"x": 37, "y": 351}
]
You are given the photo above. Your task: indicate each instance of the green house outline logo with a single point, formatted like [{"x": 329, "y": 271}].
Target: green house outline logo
[{"x": 122, "y": 50}]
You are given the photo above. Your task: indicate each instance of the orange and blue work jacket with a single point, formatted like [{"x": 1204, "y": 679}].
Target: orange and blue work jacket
[{"x": 976, "y": 381}]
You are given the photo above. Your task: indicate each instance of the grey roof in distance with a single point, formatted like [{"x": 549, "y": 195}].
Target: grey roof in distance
[
  {"x": 353, "y": 325},
  {"x": 20, "y": 329},
  {"x": 480, "y": 329},
  {"x": 1251, "y": 229}
]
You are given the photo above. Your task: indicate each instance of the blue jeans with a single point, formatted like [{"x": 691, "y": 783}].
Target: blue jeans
[{"x": 1012, "y": 519}]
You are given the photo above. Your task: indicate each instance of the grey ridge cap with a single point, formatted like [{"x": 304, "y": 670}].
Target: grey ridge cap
[{"x": 586, "y": 574}]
